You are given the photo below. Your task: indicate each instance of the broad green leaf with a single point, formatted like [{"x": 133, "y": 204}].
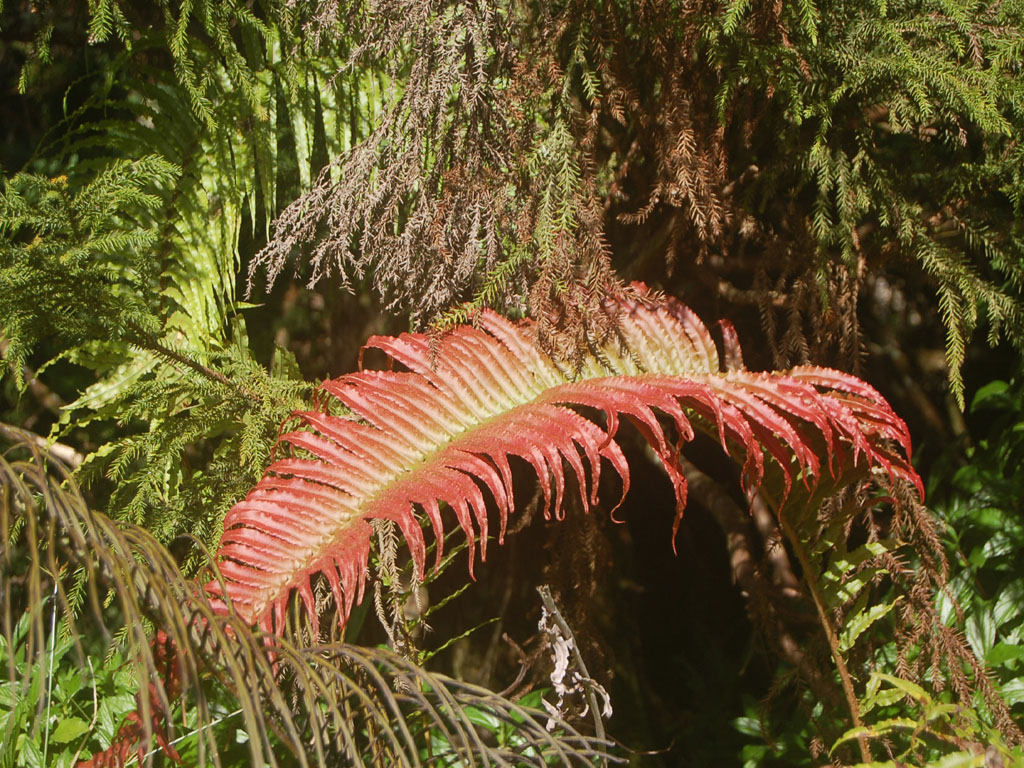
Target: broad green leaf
[
  {"x": 1001, "y": 653},
  {"x": 981, "y": 632},
  {"x": 69, "y": 729},
  {"x": 913, "y": 690},
  {"x": 483, "y": 718},
  {"x": 748, "y": 726},
  {"x": 1013, "y": 691},
  {"x": 960, "y": 760},
  {"x": 111, "y": 711},
  {"x": 1010, "y": 605},
  {"x": 992, "y": 394},
  {"x": 883, "y": 698},
  {"x": 31, "y": 753}
]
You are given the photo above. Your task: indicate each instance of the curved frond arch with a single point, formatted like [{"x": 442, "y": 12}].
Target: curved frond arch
[{"x": 444, "y": 429}]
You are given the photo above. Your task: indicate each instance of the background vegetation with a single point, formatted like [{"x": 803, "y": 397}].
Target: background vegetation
[{"x": 208, "y": 207}]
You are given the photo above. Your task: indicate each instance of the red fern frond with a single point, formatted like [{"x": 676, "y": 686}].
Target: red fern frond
[{"x": 443, "y": 431}]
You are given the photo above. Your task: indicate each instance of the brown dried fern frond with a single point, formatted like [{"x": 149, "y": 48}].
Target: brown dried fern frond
[
  {"x": 470, "y": 186},
  {"x": 421, "y": 202},
  {"x": 320, "y": 704}
]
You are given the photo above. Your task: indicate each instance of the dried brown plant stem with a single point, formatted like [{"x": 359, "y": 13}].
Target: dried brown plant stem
[
  {"x": 775, "y": 554},
  {"x": 830, "y": 635},
  {"x": 524, "y": 665}
]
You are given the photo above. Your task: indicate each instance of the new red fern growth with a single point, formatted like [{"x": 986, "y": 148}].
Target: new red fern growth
[{"x": 443, "y": 430}]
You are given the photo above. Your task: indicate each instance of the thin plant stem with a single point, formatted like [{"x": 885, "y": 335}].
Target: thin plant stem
[
  {"x": 588, "y": 683},
  {"x": 147, "y": 341},
  {"x": 95, "y": 711},
  {"x": 49, "y": 674},
  {"x": 830, "y": 635},
  {"x": 190, "y": 734}
]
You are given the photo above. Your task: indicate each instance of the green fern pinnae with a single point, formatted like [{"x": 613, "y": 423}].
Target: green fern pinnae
[
  {"x": 442, "y": 432},
  {"x": 128, "y": 268},
  {"x": 78, "y": 275}
]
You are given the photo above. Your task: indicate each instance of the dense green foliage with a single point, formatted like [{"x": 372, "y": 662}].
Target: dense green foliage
[{"x": 207, "y": 207}]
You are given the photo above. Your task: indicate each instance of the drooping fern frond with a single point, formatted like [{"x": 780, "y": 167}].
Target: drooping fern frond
[
  {"x": 470, "y": 183},
  {"x": 443, "y": 432},
  {"x": 904, "y": 121},
  {"x": 90, "y": 273},
  {"x": 228, "y": 29},
  {"x": 142, "y": 292},
  {"x": 63, "y": 566},
  {"x": 73, "y": 263}
]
